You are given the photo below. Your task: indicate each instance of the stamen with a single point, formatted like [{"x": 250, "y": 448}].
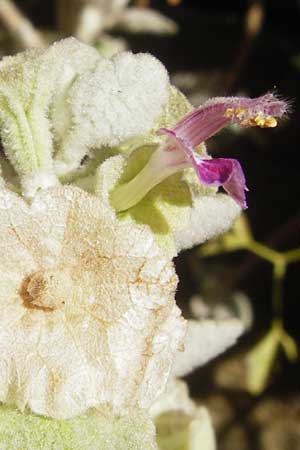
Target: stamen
[
  {"x": 260, "y": 120},
  {"x": 229, "y": 113},
  {"x": 271, "y": 122},
  {"x": 246, "y": 120},
  {"x": 240, "y": 113}
]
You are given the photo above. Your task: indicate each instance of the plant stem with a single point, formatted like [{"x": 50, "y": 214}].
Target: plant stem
[
  {"x": 292, "y": 256},
  {"x": 279, "y": 271},
  {"x": 264, "y": 252},
  {"x": 20, "y": 26}
]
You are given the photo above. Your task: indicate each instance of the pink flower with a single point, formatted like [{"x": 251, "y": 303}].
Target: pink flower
[
  {"x": 178, "y": 152},
  {"x": 207, "y": 120}
]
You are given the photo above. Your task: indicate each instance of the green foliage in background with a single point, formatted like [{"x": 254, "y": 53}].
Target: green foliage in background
[{"x": 261, "y": 358}]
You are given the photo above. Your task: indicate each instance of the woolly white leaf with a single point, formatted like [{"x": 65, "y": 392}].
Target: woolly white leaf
[
  {"x": 210, "y": 216},
  {"x": 204, "y": 341},
  {"x": 118, "y": 100},
  {"x": 29, "y": 83},
  {"x": 88, "y": 316},
  {"x": 174, "y": 398},
  {"x": 72, "y": 59},
  {"x": 180, "y": 423},
  {"x": 26, "y": 85}
]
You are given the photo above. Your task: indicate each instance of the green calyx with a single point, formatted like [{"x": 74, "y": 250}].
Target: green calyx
[{"x": 163, "y": 208}]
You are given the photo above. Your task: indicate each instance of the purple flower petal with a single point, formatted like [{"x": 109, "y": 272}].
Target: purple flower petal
[
  {"x": 177, "y": 141},
  {"x": 224, "y": 172}
]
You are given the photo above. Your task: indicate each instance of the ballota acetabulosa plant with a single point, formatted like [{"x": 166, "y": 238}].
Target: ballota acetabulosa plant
[{"x": 104, "y": 179}]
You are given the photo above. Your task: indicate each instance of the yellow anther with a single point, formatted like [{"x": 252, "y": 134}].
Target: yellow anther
[
  {"x": 240, "y": 112},
  {"x": 229, "y": 113},
  {"x": 270, "y": 122},
  {"x": 248, "y": 123},
  {"x": 260, "y": 120}
]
